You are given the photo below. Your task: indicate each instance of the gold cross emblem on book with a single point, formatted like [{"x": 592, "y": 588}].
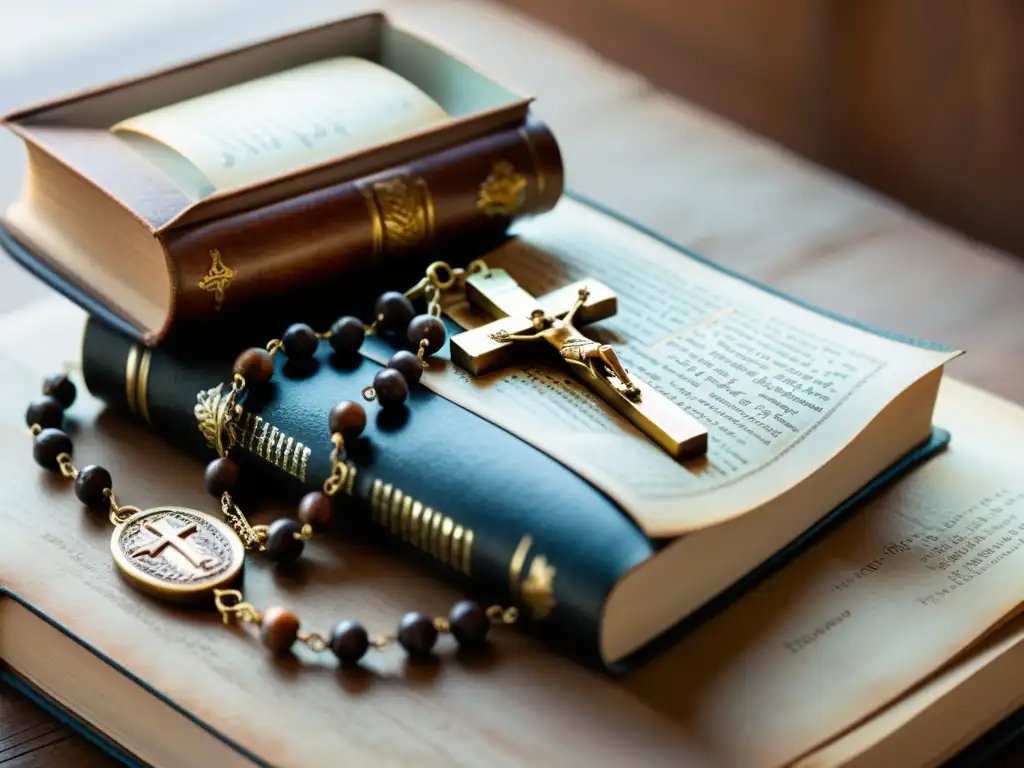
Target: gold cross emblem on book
[{"x": 523, "y": 319}]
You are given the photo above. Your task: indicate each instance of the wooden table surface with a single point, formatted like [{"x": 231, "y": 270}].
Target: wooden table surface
[{"x": 701, "y": 181}]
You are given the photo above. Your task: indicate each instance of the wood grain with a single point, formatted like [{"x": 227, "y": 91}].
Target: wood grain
[{"x": 736, "y": 198}]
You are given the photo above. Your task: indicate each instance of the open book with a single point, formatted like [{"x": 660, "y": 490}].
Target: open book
[
  {"x": 523, "y": 482},
  {"x": 279, "y": 124},
  {"x": 190, "y": 196}
]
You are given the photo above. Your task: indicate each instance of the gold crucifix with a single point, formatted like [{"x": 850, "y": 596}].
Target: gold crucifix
[{"x": 523, "y": 319}]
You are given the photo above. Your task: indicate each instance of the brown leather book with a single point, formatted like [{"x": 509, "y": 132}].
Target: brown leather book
[{"x": 207, "y": 189}]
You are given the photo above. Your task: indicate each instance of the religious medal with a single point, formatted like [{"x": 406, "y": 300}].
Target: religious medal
[{"x": 177, "y": 553}]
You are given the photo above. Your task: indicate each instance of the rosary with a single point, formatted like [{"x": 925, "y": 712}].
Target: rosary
[
  {"x": 185, "y": 555},
  {"x": 190, "y": 556}
]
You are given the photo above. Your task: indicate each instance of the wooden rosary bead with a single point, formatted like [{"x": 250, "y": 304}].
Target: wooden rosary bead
[
  {"x": 347, "y": 335},
  {"x": 469, "y": 624},
  {"x": 348, "y": 418},
  {"x": 430, "y": 328},
  {"x": 282, "y": 545},
  {"x": 391, "y": 388},
  {"x": 46, "y": 412},
  {"x": 256, "y": 365},
  {"x": 61, "y": 388},
  {"x": 300, "y": 342},
  {"x": 417, "y": 634},
  {"x": 349, "y": 642},
  {"x": 221, "y": 476},
  {"x": 90, "y": 487},
  {"x": 279, "y": 630},
  {"x": 393, "y": 311},
  {"x": 48, "y": 445},
  {"x": 407, "y": 364},
  {"x": 316, "y": 509}
]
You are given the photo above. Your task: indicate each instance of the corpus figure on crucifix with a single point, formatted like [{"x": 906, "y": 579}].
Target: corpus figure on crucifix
[
  {"x": 576, "y": 348},
  {"x": 521, "y": 317}
]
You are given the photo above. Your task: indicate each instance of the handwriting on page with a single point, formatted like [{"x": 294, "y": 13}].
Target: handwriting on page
[
  {"x": 288, "y": 120},
  {"x": 303, "y": 129}
]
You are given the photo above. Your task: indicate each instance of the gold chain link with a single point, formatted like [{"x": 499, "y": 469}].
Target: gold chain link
[
  {"x": 500, "y": 615},
  {"x": 253, "y": 537},
  {"x": 119, "y": 514},
  {"x": 315, "y": 642},
  {"x": 339, "y": 469},
  {"x": 232, "y": 607},
  {"x": 66, "y": 467}
]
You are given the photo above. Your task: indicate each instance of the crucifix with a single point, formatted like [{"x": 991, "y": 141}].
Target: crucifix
[
  {"x": 175, "y": 538},
  {"x": 524, "y": 320}
]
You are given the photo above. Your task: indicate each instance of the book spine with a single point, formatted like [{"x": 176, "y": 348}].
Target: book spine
[
  {"x": 442, "y": 485},
  {"x": 405, "y": 213}
]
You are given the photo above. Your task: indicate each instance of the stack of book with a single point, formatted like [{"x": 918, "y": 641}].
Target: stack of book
[{"x": 198, "y": 210}]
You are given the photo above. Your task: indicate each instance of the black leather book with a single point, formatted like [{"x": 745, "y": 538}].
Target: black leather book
[{"x": 484, "y": 500}]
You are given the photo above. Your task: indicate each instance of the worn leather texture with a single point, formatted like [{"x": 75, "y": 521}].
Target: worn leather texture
[
  {"x": 318, "y": 243},
  {"x": 405, "y": 213}
]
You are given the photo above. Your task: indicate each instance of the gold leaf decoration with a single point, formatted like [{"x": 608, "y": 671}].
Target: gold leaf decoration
[
  {"x": 503, "y": 192},
  {"x": 539, "y": 587},
  {"x": 405, "y": 211},
  {"x": 216, "y": 281},
  {"x": 215, "y": 416}
]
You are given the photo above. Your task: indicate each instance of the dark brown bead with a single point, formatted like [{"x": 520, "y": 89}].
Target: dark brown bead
[
  {"x": 316, "y": 509},
  {"x": 407, "y": 364},
  {"x": 279, "y": 630},
  {"x": 430, "y": 328},
  {"x": 469, "y": 624},
  {"x": 393, "y": 312},
  {"x": 61, "y": 388},
  {"x": 417, "y": 634},
  {"x": 221, "y": 477},
  {"x": 348, "y": 418},
  {"x": 391, "y": 388},
  {"x": 347, "y": 335},
  {"x": 300, "y": 342},
  {"x": 349, "y": 642},
  {"x": 256, "y": 365},
  {"x": 90, "y": 485},
  {"x": 46, "y": 412},
  {"x": 282, "y": 545},
  {"x": 48, "y": 445}
]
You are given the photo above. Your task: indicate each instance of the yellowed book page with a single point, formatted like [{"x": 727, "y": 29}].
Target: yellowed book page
[
  {"x": 781, "y": 388},
  {"x": 874, "y": 608},
  {"x": 274, "y": 125},
  {"x": 949, "y": 700}
]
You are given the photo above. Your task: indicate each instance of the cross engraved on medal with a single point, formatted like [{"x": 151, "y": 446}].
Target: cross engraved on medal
[
  {"x": 177, "y": 554},
  {"x": 551, "y": 318}
]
